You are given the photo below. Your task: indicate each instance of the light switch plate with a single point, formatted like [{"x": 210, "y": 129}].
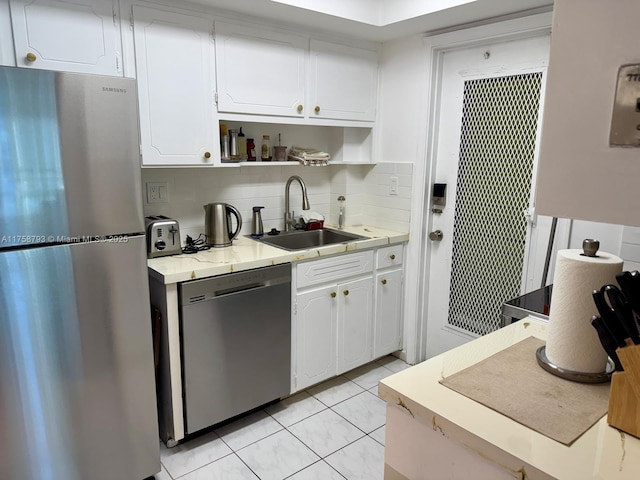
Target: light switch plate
[
  {"x": 625, "y": 121},
  {"x": 393, "y": 186}
]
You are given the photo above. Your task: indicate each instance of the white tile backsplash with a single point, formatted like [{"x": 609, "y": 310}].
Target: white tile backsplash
[
  {"x": 630, "y": 248},
  {"x": 365, "y": 187}
]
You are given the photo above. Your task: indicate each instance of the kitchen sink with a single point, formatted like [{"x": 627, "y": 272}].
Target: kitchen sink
[{"x": 303, "y": 239}]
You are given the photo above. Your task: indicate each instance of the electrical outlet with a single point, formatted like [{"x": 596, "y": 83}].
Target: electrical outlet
[
  {"x": 157, "y": 192},
  {"x": 393, "y": 186}
]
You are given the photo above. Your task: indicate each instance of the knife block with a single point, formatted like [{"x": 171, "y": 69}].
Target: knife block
[{"x": 624, "y": 400}]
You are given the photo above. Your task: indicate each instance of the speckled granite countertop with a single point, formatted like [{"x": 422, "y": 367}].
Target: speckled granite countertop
[{"x": 246, "y": 254}]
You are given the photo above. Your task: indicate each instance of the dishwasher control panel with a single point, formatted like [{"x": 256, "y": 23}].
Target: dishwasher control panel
[{"x": 209, "y": 288}]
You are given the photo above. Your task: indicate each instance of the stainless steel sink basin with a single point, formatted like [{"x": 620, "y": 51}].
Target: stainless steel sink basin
[{"x": 304, "y": 239}]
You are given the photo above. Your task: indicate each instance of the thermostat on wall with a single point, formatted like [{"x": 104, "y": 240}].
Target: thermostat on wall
[{"x": 625, "y": 121}]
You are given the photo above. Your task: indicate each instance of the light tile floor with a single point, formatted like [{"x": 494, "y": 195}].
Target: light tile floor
[{"x": 332, "y": 431}]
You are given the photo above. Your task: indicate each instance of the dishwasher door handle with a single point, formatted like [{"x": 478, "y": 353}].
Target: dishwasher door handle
[{"x": 239, "y": 289}]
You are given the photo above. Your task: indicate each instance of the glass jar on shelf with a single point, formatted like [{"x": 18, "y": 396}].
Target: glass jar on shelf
[{"x": 266, "y": 149}]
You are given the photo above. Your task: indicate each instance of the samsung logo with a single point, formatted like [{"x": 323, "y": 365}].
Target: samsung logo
[{"x": 114, "y": 90}]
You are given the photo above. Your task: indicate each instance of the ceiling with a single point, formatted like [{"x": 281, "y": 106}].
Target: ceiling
[{"x": 381, "y": 20}]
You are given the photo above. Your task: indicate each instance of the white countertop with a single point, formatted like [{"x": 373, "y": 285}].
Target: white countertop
[
  {"x": 602, "y": 452},
  {"x": 245, "y": 254}
]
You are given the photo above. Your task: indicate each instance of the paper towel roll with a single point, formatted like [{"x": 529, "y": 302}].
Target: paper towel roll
[{"x": 572, "y": 343}]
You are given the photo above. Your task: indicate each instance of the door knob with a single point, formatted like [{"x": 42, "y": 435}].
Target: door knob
[
  {"x": 31, "y": 57},
  {"x": 346, "y": 292},
  {"x": 436, "y": 235}
]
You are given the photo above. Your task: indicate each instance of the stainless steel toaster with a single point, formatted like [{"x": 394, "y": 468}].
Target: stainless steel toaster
[{"x": 163, "y": 236}]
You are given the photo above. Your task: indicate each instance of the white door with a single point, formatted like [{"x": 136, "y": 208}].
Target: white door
[
  {"x": 175, "y": 88},
  {"x": 73, "y": 36},
  {"x": 485, "y": 152}
]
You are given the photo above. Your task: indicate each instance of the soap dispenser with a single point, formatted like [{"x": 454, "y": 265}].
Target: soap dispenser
[
  {"x": 257, "y": 229},
  {"x": 341, "y": 212}
]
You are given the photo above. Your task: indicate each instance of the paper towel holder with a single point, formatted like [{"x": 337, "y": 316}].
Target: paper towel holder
[
  {"x": 581, "y": 377},
  {"x": 590, "y": 247}
]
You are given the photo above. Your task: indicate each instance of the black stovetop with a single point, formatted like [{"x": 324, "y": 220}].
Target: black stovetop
[{"x": 534, "y": 303}]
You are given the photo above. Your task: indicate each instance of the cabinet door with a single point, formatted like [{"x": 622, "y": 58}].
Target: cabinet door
[
  {"x": 355, "y": 323},
  {"x": 173, "y": 65},
  {"x": 343, "y": 82},
  {"x": 260, "y": 71},
  {"x": 73, "y": 36},
  {"x": 315, "y": 326},
  {"x": 388, "y": 313}
]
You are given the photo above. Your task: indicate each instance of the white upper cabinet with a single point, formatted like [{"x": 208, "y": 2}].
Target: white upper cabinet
[
  {"x": 74, "y": 36},
  {"x": 174, "y": 65},
  {"x": 342, "y": 82},
  {"x": 264, "y": 72},
  {"x": 260, "y": 71}
]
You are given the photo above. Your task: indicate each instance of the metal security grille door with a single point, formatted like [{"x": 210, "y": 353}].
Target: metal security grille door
[
  {"x": 497, "y": 147},
  {"x": 483, "y": 245}
]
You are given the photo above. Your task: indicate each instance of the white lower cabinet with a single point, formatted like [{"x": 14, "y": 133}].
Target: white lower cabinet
[
  {"x": 388, "y": 312},
  {"x": 355, "y": 332},
  {"x": 388, "y": 300},
  {"x": 336, "y": 327},
  {"x": 315, "y": 333}
]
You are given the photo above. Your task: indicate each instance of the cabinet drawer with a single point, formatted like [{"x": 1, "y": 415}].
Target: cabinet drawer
[
  {"x": 389, "y": 256},
  {"x": 334, "y": 268}
]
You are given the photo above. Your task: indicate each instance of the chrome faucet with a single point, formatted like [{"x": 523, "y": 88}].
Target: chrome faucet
[{"x": 289, "y": 221}]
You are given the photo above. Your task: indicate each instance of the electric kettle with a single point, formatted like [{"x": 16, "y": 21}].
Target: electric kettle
[{"x": 217, "y": 224}]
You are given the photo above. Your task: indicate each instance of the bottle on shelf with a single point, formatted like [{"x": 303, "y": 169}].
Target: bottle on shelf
[
  {"x": 224, "y": 142},
  {"x": 266, "y": 149},
  {"x": 233, "y": 145},
  {"x": 251, "y": 150},
  {"x": 242, "y": 145}
]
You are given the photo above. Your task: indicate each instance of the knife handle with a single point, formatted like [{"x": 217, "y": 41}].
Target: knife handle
[
  {"x": 630, "y": 285},
  {"x": 607, "y": 341},
  {"x": 609, "y": 317},
  {"x": 623, "y": 312}
]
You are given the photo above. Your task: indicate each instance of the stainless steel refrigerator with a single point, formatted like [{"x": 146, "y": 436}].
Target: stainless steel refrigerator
[{"x": 77, "y": 386}]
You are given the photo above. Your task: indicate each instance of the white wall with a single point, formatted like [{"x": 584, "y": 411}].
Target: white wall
[
  {"x": 402, "y": 120},
  {"x": 630, "y": 248}
]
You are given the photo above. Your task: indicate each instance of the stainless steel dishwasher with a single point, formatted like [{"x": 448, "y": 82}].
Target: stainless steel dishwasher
[{"x": 236, "y": 343}]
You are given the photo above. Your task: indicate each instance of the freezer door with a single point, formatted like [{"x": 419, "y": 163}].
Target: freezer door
[
  {"x": 77, "y": 386},
  {"x": 69, "y": 145}
]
